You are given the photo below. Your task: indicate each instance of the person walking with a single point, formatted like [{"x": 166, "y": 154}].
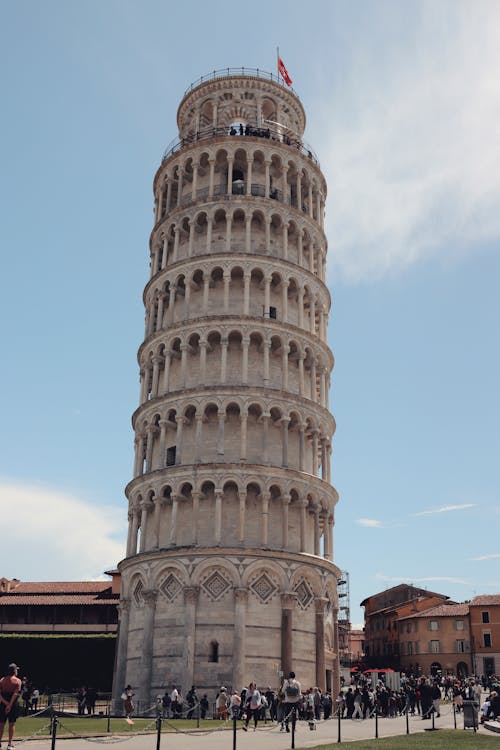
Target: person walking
[
  {"x": 10, "y": 687},
  {"x": 128, "y": 703},
  {"x": 293, "y": 696},
  {"x": 254, "y": 705}
]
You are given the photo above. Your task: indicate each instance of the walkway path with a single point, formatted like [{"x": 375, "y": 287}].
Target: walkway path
[{"x": 267, "y": 736}]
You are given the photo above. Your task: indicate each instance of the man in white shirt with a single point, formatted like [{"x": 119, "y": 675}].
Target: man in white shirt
[{"x": 292, "y": 697}]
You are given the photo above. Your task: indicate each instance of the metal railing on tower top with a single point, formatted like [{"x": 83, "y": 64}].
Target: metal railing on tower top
[{"x": 228, "y": 72}]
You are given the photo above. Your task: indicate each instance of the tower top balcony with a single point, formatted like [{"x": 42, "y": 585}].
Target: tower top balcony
[{"x": 249, "y": 96}]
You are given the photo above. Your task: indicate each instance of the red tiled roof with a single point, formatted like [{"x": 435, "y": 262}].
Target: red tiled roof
[
  {"x": 39, "y": 599},
  {"x": 59, "y": 587},
  {"x": 441, "y": 610},
  {"x": 483, "y": 600}
]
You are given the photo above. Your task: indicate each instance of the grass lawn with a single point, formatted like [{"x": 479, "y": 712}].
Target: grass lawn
[
  {"x": 442, "y": 740},
  {"x": 28, "y": 726}
]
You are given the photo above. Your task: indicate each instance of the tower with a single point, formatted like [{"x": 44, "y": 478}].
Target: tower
[{"x": 228, "y": 574}]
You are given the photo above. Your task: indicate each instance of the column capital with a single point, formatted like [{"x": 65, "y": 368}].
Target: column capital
[
  {"x": 191, "y": 593},
  {"x": 240, "y": 595},
  {"x": 286, "y": 499},
  {"x": 123, "y": 607},
  {"x": 319, "y": 604},
  {"x": 150, "y": 596},
  {"x": 288, "y": 599}
]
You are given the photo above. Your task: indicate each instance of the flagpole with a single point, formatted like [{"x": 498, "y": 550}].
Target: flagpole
[{"x": 278, "y": 61}]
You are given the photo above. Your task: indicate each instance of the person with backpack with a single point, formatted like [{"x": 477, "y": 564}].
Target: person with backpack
[{"x": 293, "y": 696}]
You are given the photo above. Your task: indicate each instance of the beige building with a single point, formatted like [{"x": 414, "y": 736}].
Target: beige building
[{"x": 229, "y": 572}]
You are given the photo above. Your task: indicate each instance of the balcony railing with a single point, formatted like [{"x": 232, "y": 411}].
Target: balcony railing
[
  {"x": 228, "y": 72},
  {"x": 246, "y": 131}
]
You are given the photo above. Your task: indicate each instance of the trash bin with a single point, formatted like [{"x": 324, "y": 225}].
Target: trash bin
[{"x": 470, "y": 709}]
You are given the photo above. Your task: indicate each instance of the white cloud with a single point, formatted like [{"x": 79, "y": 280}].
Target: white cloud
[
  {"x": 492, "y": 556},
  {"x": 48, "y": 534},
  {"x": 414, "y": 154},
  {"x": 370, "y": 522},
  {"x": 446, "y": 509}
]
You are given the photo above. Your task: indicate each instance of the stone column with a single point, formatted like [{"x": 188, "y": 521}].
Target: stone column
[
  {"x": 303, "y": 505},
  {"x": 310, "y": 201},
  {"x": 206, "y": 287},
  {"x": 266, "y": 346},
  {"x": 173, "y": 522},
  {"x": 326, "y": 538},
  {"x": 300, "y": 248},
  {"x": 288, "y": 600},
  {"x": 203, "y": 360},
  {"x": 265, "y": 438},
  {"x": 179, "y": 186},
  {"x": 135, "y": 529},
  {"x": 159, "y": 316},
  {"x": 196, "y": 515},
  {"x": 243, "y": 436},
  {"x": 265, "y": 518},
  {"x": 330, "y": 533},
  {"x": 302, "y": 446},
  {"x": 267, "y": 222},
  {"x": 178, "y": 440},
  {"x": 323, "y": 458},
  {"x": 145, "y": 508},
  {"x": 249, "y": 176},
  {"x": 285, "y": 241},
  {"x": 246, "y": 293},
  {"x": 315, "y": 452},
  {"x": 160, "y": 461},
  {"x": 223, "y": 359},
  {"x": 285, "y": 500},
  {"x": 320, "y": 643},
  {"x": 239, "y": 640},
  {"x": 220, "y": 433},
  {"x": 211, "y": 178},
  {"x": 284, "y": 301},
  {"x": 149, "y": 449},
  {"x": 229, "y": 230},
  {"x": 218, "y": 517},
  {"x": 300, "y": 304},
  {"x": 158, "y": 503},
  {"x": 299, "y": 192},
  {"x": 169, "y": 195},
  {"x": 267, "y": 164},
  {"x": 156, "y": 375},
  {"x": 229, "y": 175},
  {"x": 189, "y": 627},
  {"x": 175, "y": 255},
  {"x": 198, "y": 439},
  {"x": 166, "y": 372},
  {"x": 284, "y": 441},
  {"x": 313, "y": 380},
  {"x": 316, "y": 530},
  {"x": 227, "y": 279},
  {"x": 130, "y": 517},
  {"x": 245, "y": 343},
  {"x": 184, "y": 350},
  {"x": 190, "y": 238},
  {"x": 301, "y": 375},
  {"x": 248, "y": 234},
  {"x": 195, "y": 182},
  {"x": 242, "y": 497},
  {"x": 209, "y": 233},
  {"x": 285, "y": 351},
  {"x": 150, "y": 596},
  {"x": 120, "y": 676}
]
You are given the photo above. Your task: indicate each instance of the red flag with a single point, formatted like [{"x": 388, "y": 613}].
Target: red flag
[{"x": 284, "y": 72}]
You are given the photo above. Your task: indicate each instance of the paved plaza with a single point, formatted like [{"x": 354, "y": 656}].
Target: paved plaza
[{"x": 267, "y": 736}]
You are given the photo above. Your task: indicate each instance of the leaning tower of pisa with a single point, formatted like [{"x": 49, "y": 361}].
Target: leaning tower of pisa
[{"x": 228, "y": 575}]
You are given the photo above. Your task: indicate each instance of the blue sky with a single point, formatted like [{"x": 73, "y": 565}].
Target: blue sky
[{"x": 403, "y": 106}]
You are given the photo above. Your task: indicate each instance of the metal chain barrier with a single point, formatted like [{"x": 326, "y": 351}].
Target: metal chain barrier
[
  {"x": 45, "y": 728},
  {"x": 109, "y": 740}
]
